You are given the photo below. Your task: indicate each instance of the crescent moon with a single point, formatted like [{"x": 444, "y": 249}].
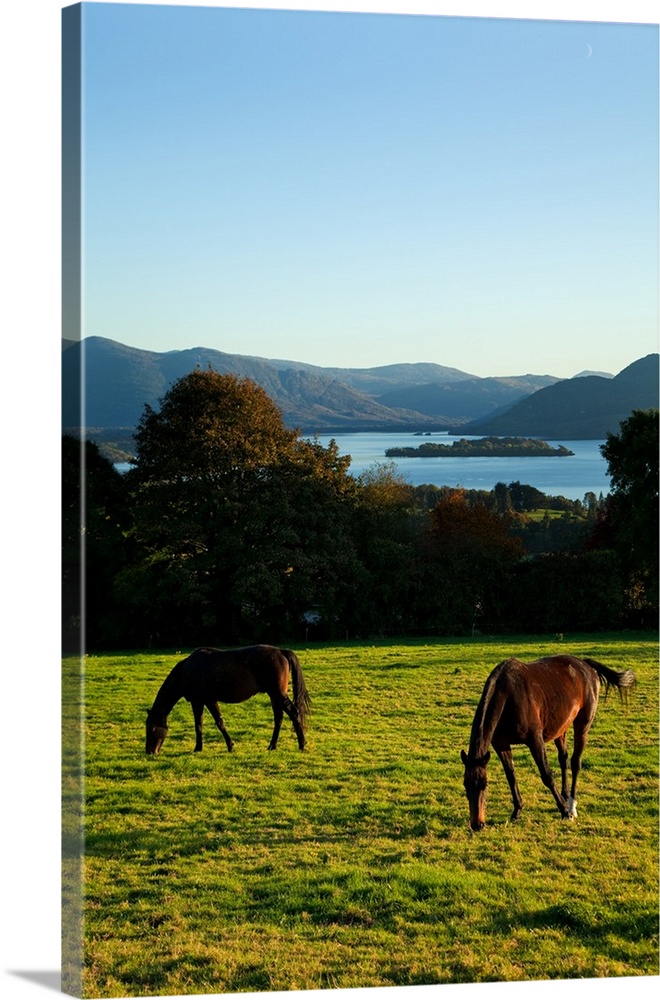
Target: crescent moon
[{"x": 589, "y": 51}]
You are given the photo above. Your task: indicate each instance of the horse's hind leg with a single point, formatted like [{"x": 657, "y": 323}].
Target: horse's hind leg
[
  {"x": 214, "y": 709},
  {"x": 562, "y": 753},
  {"x": 507, "y": 763},
  {"x": 580, "y": 734},
  {"x": 278, "y": 715}
]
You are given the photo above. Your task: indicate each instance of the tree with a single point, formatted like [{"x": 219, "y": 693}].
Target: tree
[
  {"x": 297, "y": 558},
  {"x": 239, "y": 520},
  {"x": 564, "y": 591},
  {"x": 502, "y": 499},
  {"x": 385, "y": 525},
  {"x": 632, "y": 464},
  {"x": 210, "y": 427},
  {"x": 94, "y": 524},
  {"x": 465, "y": 530},
  {"x": 525, "y": 497},
  {"x": 472, "y": 555}
]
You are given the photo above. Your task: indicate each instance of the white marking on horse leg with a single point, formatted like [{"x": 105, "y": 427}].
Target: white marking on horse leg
[{"x": 572, "y": 808}]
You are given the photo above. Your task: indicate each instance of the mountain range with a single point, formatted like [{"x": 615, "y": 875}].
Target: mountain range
[{"x": 120, "y": 380}]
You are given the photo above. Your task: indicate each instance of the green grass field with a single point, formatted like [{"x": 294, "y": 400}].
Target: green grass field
[{"x": 352, "y": 864}]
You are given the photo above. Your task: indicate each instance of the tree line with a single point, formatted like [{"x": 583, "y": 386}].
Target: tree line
[{"x": 231, "y": 528}]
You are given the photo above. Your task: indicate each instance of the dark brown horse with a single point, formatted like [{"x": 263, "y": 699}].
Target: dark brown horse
[
  {"x": 533, "y": 703},
  {"x": 209, "y": 676}
]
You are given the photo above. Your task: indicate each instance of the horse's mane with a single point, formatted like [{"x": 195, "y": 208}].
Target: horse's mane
[
  {"x": 479, "y": 732},
  {"x": 171, "y": 689}
]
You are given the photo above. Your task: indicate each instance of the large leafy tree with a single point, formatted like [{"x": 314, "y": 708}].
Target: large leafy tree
[
  {"x": 209, "y": 427},
  {"x": 632, "y": 464},
  {"x": 239, "y": 519},
  {"x": 196, "y": 457}
]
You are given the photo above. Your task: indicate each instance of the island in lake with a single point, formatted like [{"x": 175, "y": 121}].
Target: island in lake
[{"x": 491, "y": 447}]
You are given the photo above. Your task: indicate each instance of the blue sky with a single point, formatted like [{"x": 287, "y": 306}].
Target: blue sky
[{"x": 360, "y": 189}]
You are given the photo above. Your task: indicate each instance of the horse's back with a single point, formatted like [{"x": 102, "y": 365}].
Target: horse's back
[
  {"x": 549, "y": 692},
  {"x": 234, "y": 675},
  {"x": 564, "y": 674}
]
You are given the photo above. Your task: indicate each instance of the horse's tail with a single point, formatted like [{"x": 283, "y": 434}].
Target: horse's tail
[
  {"x": 301, "y": 698},
  {"x": 621, "y": 679}
]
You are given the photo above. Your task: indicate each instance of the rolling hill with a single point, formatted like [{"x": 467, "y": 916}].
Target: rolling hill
[
  {"x": 467, "y": 398},
  {"x": 588, "y": 406}
]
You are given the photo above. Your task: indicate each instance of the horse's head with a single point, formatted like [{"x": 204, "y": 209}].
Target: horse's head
[
  {"x": 156, "y": 733},
  {"x": 476, "y": 781}
]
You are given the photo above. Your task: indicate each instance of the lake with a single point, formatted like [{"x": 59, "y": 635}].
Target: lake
[{"x": 569, "y": 476}]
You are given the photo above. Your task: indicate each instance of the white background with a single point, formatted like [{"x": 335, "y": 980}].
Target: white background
[{"x": 29, "y": 648}]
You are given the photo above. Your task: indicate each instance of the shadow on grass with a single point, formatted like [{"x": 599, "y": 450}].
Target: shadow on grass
[
  {"x": 583, "y": 920},
  {"x": 249, "y": 979},
  {"x": 161, "y": 836}
]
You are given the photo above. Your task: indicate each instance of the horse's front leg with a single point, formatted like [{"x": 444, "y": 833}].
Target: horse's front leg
[
  {"x": 507, "y": 763},
  {"x": 198, "y": 711},
  {"x": 214, "y": 709},
  {"x": 537, "y": 749}
]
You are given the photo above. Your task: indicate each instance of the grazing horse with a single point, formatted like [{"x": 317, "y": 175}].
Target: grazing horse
[
  {"x": 209, "y": 676},
  {"x": 533, "y": 703}
]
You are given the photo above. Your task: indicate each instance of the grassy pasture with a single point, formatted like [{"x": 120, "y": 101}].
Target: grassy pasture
[
  {"x": 351, "y": 864},
  {"x": 539, "y": 513}
]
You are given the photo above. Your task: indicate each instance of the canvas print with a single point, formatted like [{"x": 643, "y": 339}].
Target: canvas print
[{"x": 360, "y": 500}]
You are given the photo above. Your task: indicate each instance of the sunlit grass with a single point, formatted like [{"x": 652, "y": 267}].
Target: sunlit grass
[
  {"x": 540, "y": 514},
  {"x": 352, "y": 864}
]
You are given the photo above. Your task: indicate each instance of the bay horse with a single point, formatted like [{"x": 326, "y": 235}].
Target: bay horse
[
  {"x": 208, "y": 676},
  {"x": 532, "y": 704}
]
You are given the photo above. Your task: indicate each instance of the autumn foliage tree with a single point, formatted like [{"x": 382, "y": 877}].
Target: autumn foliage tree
[
  {"x": 233, "y": 513},
  {"x": 209, "y": 428},
  {"x": 467, "y": 530},
  {"x": 473, "y": 556}
]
